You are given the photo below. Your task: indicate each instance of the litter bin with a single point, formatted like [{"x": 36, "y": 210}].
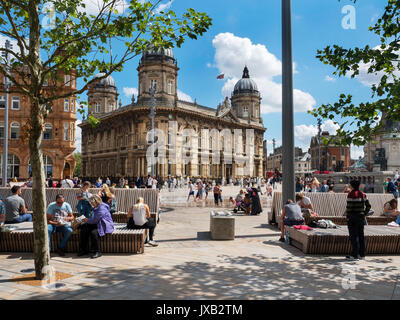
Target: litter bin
[{"x": 222, "y": 225}]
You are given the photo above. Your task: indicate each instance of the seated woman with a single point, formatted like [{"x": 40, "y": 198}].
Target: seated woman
[
  {"x": 105, "y": 194},
  {"x": 139, "y": 218},
  {"x": 291, "y": 216},
  {"x": 97, "y": 226},
  {"x": 390, "y": 209},
  {"x": 240, "y": 197}
]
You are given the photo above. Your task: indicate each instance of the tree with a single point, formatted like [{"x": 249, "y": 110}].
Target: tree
[
  {"x": 78, "y": 166},
  {"x": 77, "y": 42},
  {"x": 382, "y": 61}
]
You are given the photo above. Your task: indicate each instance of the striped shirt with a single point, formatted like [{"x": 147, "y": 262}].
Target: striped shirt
[{"x": 357, "y": 204}]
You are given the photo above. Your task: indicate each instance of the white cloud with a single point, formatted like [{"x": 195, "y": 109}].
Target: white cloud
[
  {"x": 163, "y": 7},
  {"x": 232, "y": 53},
  {"x": 128, "y": 92},
  {"x": 330, "y": 79},
  {"x": 369, "y": 79},
  {"x": 78, "y": 136},
  {"x": 184, "y": 97},
  {"x": 94, "y": 6},
  {"x": 304, "y": 133},
  {"x": 356, "y": 152}
]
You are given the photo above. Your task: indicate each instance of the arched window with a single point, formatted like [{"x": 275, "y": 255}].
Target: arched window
[
  {"x": 170, "y": 87},
  {"x": 48, "y": 129},
  {"x": 15, "y": 130},
  {"x": 12, "y": 166},
  {"x": 47, "y": 165}
]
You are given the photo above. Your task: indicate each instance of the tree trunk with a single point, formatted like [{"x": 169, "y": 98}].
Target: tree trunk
[{"x": 41, "y": 243}]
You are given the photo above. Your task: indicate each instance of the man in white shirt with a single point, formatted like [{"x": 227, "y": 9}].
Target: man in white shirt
[
  {"x": 67, "y": 183},
  {"x": 154, "y": 183}
]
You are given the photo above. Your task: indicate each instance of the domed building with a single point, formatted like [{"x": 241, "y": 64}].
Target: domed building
[{"x": 118, "y": 145}]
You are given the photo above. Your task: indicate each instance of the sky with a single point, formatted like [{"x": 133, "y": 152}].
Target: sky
[{"x": 249, "y": 33}]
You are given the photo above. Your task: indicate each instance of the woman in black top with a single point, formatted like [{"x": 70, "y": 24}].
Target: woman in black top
[
  {"x": 255, "y": 201},
  {"x": 105, "y": 194}
]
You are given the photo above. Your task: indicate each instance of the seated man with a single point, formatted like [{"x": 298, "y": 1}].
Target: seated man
[
  {"x": 305, "y": 204},
  {"x": 291, "y": 216},
  {"x": 15, "y": 207},
  {"x": 390, "y": 208},
  {"x": 59, "y": 217},
  {"x": 83, "y": 195}
]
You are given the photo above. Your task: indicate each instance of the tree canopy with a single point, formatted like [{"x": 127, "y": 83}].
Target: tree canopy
[{"x": 383, "y": 62}]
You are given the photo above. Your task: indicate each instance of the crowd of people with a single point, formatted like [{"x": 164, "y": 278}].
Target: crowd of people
[{"x": 94, "y": 219}]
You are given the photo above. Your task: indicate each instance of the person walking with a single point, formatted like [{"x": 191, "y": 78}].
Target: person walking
[{"x": 357, "y": 206}]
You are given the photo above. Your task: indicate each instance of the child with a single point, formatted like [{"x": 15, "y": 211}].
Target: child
[{"x": 83, "y": 195}]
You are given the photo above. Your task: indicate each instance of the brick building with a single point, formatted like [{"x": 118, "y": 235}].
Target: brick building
[
  {"x": 333, "y": 157},
  {"x": 58, "y": 142}
]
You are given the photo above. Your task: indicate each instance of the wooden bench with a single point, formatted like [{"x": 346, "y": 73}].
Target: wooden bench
[
  {"x": 379, "y": 240},
  {"x": 332, "y": 206},
  {"x": 125, "y": 199},
  {"x": 121, "y": 240}
]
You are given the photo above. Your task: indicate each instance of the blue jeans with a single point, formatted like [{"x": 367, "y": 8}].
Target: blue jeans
[
  {"x": 65, "y": 230},
  {"x": 27, "y": 217},
  {"x": 398, "y": 219}
]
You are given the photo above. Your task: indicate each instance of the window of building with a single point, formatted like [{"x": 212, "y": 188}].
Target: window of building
[
  {"x": 66, "y": 105},
  {"x": 66, "y": 131},
  {"x": 186, "y": 169},
  {"x": 211, "y": 142},
  {"x": 47, "y": 165},
  {"x": 67, "y": 80},
  {"x": 97, "y": 107},
  {"x": 73, "y": 132},
  {"x": 15, "y": 130},
  {"x": 170, "y": 87},
  {"x": 169, "y": 169},
  {"x": 153, "y": 83},
  {"x": 199, "y": 170},
  {"x": 2, "y": 102},
  {"x": 245, "y": 111},
  {"x": 199, "y": 142},
  {"x": 343, "y": 151},
  {"x": 1, "y": 130},
  {"x": 15, "y": 103},
  {"x": 12, "y": 166},
  {"x": 48, "y": 128},
  {"x": 256, "y": 112},
  {"x": 210, "y": 166}
]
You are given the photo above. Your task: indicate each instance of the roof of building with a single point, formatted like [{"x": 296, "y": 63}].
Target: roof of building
[
  {"x": 108, "y": 81},
  {"x": 245, "y": 85}
]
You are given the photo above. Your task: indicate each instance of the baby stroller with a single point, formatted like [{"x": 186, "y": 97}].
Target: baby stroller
[{"x": 240, "y": 206}]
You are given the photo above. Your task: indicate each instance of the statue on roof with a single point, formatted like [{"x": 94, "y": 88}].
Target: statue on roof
[{"x": 133, "y": 99}]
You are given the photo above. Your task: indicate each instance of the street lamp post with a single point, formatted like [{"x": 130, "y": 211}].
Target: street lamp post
[
  {"x": 288, "y": 187},
  {"x": 273, "y": 154},
  {"x": 8, "y": 46},
  {"x": 152, "y": 114},
  {"x": 319, "y": 143}
]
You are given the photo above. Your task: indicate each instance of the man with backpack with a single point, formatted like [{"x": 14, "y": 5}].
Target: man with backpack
[{"x": 357, "y": 208}]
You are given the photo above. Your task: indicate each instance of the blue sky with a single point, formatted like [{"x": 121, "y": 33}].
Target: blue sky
[{"x": 249, "y": 32}]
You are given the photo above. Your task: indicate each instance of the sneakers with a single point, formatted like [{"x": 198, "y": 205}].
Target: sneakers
[
  {"x": 153, "y": 243},
  {"x": 361, "y": 258},
  {"x": 393, "y": 224},
  {"x": 96, "y": 255},
  {"x": 282, "y": 239},
  {"x": 351, "y": 258}
]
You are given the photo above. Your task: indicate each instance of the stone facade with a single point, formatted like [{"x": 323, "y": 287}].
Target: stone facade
[
  {"x": 118, "y": 146},
  {"x": 58, "y": 142},
  {"x": 389, "y": 141}
]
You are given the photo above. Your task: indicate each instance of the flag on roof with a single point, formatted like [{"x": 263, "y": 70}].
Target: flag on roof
[{"x": 221, "y": 76}]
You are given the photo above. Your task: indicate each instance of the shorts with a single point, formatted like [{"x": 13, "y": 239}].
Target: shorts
[
  {"x": 291, "y": 223},
  {"x": 191, "y": 193}
]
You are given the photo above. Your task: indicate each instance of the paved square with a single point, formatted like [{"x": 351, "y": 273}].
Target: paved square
[{"x": 187, "y": 264}]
